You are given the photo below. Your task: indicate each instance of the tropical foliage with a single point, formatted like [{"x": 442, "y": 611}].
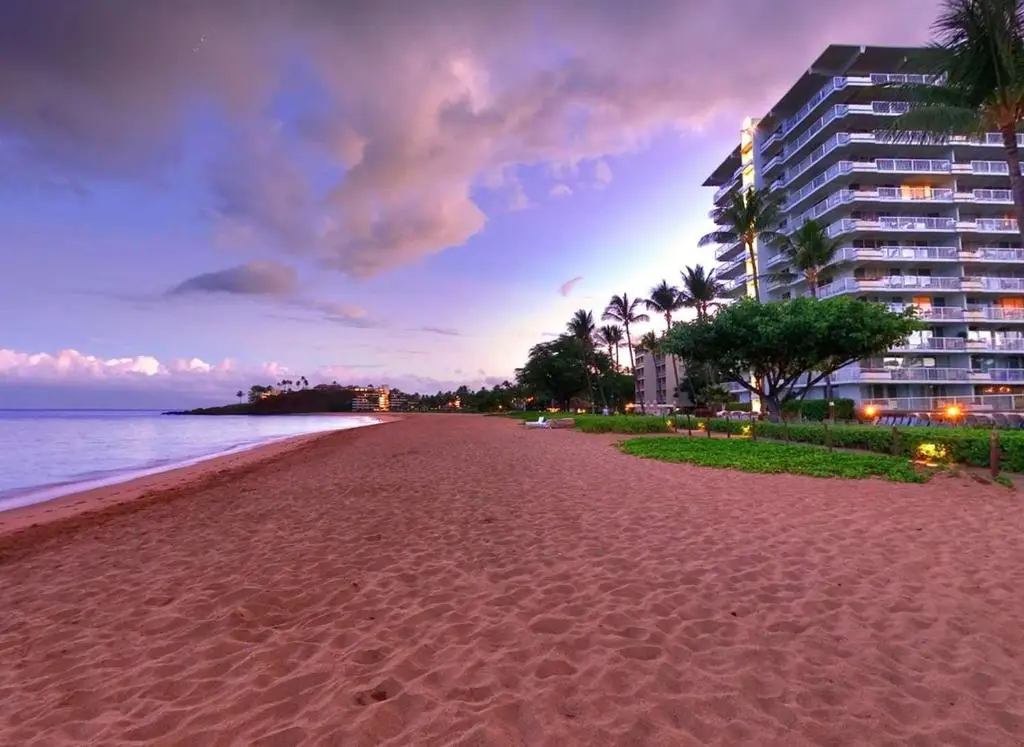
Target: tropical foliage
[
  {"x": 748, "y": 216},
  {"x": 788, "y": 346},
  {"x": 977, "y": 60}
]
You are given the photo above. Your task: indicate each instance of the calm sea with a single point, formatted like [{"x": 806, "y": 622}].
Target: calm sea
[{"x": 48, "y": 453}]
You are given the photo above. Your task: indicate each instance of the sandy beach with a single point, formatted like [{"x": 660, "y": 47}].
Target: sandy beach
[{"x": 459, "y": 580}]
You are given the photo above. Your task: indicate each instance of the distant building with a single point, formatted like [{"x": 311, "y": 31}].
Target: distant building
[
  {"x": 371, "y": 399},
  {"x": 657, "y": 382}
]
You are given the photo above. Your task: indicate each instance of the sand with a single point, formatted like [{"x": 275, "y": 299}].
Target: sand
[{"x": 458, "y": 580}]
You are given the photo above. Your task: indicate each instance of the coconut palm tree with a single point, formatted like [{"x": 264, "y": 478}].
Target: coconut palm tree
[
  {"x": 611, "y": 336},
  {"x": 977, "y": 56},
  {"x": 665, "y": 299},
  {"x": 701, "y": 290},
  {"x": 625, "y": 311},
  {"x": 239, "y": 394},
  {"x": 808, "y": 252},
  {"x": 581, "y": 328},
  {"x": 749, "y": 217}
]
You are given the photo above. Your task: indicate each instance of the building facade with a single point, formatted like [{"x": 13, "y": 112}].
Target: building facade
[
  {"x": 657, "y": 382},
  {"x": 925, "y": 224},
  {"x": 372, "y": 399}
]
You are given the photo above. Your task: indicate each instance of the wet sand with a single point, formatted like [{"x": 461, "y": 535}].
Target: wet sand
[{"x": 461, "y": 580}]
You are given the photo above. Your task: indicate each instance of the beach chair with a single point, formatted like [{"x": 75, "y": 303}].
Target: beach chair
[{"x": 540, "y": 422}]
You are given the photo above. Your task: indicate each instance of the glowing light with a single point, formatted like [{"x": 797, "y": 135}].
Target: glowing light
[
  {"x": 745, "y": 430},
  {"x": 700, "y": 425},
  {"x": 932, "y": 453},
  {"x": 870, "y": 411},
  {"x": 953, "y": 411}
]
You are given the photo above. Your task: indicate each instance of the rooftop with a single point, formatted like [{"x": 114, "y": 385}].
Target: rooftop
[{"x": 836, "y": 60}]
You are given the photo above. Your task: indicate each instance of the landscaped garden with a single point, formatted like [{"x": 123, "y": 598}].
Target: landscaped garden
[{"x": 772, "y": 457}]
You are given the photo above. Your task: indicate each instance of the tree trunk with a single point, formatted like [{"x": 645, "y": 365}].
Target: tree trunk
[
  {"x": 753, "y": 268},
  {"x": 1016, "y": 181},
  {"x": 675, "y": 364},
  {"x": 812, "y": 284}
]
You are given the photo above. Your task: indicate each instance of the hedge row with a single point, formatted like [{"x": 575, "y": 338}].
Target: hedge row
[{"x": 960, "y": 445}]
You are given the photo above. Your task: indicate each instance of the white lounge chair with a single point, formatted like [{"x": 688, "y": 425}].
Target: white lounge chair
[{"x": 540, "y": 422}]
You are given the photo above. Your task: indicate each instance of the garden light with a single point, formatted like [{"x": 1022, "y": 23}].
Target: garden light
[
  {"x": 953, "y": 411},
  {"x": 870, "y": 411}
]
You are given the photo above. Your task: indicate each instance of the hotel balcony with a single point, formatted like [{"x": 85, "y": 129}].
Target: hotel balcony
[
  {"x": 729, "y": 269},
  {"x": 996, "y": 345},
  {"x": 730, "y": 286},
  {"x": 727, "y": 252},
  {"x": 933, "y": 344},
  {"x": 893, "y": 283},
  {"x": 986, "y": 196},
  {"x": 932, "y": 313},
  {"x": 726, "y": 188},
  {"x": 983, "y": 168},
  {"x": 993, "y": 314},
  {"x": 993, "y": 285},
  {"x": 902, "y": 224},
  {"x": 972, "y": 404},
  {"x": 988, "y": 225},
  {"x": 878, "y": 165},
  {"x": 992, "y": 254},
  {"x": 887, "y": 195},
  {"x": 908, "y": 374}
]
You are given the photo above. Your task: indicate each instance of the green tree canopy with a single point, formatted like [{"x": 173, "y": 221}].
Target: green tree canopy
[{"x": 782, "y": 344}]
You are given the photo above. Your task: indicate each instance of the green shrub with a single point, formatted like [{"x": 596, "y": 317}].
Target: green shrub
[
  {"x": 737, "y": 406},
  {"x": 960, "y": 445},
  {"x": 769, "y": 457},
  {"x": 622, "y": 424}
]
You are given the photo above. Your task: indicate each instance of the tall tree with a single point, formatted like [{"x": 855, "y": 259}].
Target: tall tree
[
  {"x": 749, "y": 216},
  {"x": 701, "y": 290},
  {"x": 977, "y": 56},
  {"x": 664, "y": 299},
  {"x": 789, "y": 342},
  {"x": 239, "y": 394},
  {"x": 610, "y": 335},
  {"x": 626, "y": 312},
  {"x": 808, "y": 252},
  {"x": 581, "y": 328}
]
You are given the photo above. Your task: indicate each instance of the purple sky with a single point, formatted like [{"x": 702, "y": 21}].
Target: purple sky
[{"x": 202, "y": 195}]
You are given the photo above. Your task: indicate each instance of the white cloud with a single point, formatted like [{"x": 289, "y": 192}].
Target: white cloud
[
  {"x": 602, "y": 174},
  {"x": 560, "y": 190}
]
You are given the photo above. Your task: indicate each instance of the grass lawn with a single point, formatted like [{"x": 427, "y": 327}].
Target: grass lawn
[{"x": 761, "y": 456}]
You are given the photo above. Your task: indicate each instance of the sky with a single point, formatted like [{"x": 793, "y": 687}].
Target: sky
[{"x": 199, "y": 196}]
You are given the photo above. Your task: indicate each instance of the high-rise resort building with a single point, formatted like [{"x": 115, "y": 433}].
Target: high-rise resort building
[
  {"x": 656, "y": 379},
  {"x": 926, "y": 224},
  {"x": 371, "y": 399}
]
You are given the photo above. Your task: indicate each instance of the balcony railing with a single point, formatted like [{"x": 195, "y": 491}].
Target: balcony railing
[
  {"x": 994, "y": 284},
  {"x": 979, "y": 403},
  {"x": 932, "y": 313},
  {"x": 836, "y": 141},
  {"x": 939, "y": 253},
  {"x": 994, "y": 314},
  {"x": 725, "y": 189},
  {"x": 991, "y": 254},
  {"x": 979, "y": 168},
  {"x": 726, "y": 249},
  {"x": 989, "y": 225},
  {"x": 927, "y": 165},
  {"x": 738, "y": 282},
  {"x": 891, "y": 223},
  {"x": 999, "y": 196},
  {"x": 908, "y": 373},
  {"x": 935, "y": 343}
]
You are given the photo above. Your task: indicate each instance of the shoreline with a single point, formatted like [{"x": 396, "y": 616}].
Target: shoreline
[{"x": 45, "y": 517}]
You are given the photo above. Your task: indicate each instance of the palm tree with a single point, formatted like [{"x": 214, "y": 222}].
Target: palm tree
[
  {"x": 701, "y": 290},
  {"x": 665, "y": 299},
  {"x": 611, "y": 335},
  {"x": 808, "y": 252},
  {"x": 239, "y": 394},
  {"x": 748, "y": 217},
  {"x": 581, "y": 328},
  {"x": 977, "y": 56},
  {"x": 625, "y": 311}
]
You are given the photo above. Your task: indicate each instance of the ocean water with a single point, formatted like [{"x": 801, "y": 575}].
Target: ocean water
[{"x": 48, "y": 453}]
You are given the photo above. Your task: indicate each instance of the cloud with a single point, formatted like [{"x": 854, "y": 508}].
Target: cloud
[
  {"x": 273, "y": 281},
  {"x": 397, "y": 113},
  {"x": 252, "y": 279},
  {"x": 567, "y": 287},
  {"x": 186, "y": 379},
  {"x": 446, "y": 331},
  {"x": 602, "y": 174},
  {"x": 560, "y": 190}
]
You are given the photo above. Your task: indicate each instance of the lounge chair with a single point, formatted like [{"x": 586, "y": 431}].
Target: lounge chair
[{"x": 540, "y": 422}]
